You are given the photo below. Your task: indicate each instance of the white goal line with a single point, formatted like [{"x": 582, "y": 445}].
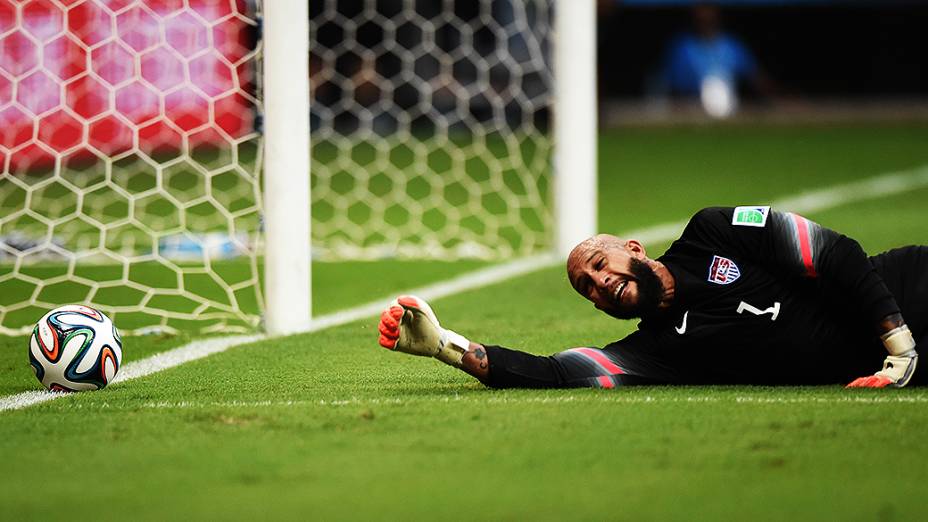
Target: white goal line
[
  {"x": 809, "y": 201},
  {"x": 608, "y": 397}
]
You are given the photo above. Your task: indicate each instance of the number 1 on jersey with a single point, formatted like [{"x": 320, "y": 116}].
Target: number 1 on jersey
[{"x": 774, "y": 310}]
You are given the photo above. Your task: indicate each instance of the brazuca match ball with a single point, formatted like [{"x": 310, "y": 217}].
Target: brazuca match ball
[{"x": 75, "y": 348}]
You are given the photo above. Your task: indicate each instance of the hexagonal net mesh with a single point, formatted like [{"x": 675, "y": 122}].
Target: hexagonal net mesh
[
  {"x": 130, "y": 162},
  {"x": 131, "y": 159},
  {"x": 429, "y": 128}
]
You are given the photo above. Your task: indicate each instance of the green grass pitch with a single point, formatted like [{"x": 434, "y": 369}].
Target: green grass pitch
[{"x": 328, "y": 426}]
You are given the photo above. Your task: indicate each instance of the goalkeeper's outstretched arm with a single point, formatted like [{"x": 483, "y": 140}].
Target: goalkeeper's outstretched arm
[{"x": 409, "y": 325}]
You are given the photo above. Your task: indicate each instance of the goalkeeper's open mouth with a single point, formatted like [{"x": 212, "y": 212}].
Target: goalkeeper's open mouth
[{"x": 619, "y": 292}]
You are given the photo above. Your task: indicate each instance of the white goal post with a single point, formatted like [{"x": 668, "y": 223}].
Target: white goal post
[
  {"x": 287, "y": 263},
  {"x": 179, "y": 164},
  {"x": 575, "y": 123},
  {"x": 575, "y": 134}
]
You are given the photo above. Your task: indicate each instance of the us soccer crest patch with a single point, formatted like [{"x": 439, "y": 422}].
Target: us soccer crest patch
[
  {"x": 750, "y": 216},
  {"x": 723, "y": 271}
]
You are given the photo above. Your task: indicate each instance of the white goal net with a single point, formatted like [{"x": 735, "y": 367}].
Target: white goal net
[
  {"x": 129, "y": 161},
  {"x": 430, "y": 128},
  {"x": 131, "y": 147}
]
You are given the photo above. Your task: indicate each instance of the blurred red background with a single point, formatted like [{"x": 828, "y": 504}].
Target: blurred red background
[{"x": 102, "y": 77}]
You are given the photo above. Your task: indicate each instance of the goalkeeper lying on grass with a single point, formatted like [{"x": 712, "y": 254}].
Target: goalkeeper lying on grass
[{"x": 747, "y": 295}]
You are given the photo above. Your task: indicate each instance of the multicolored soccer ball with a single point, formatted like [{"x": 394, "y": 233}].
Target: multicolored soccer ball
[{"x": 75, "y": 348}]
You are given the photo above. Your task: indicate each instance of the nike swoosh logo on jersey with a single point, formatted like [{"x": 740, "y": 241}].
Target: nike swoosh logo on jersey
[{"x": 682, "y": 328}]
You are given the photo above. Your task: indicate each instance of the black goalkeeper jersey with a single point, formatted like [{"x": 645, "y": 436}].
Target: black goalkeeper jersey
[{"x": 769, "y": 297}]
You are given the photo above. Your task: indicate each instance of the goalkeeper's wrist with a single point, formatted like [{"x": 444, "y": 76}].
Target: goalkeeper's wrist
[
  {"x": 899, "y": 369},
  {"x": 899, "y": 342},
  {"x": 452, "y": 348}
]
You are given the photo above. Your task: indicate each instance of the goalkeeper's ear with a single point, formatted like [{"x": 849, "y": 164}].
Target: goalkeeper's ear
[{"x": 635, "y": 248}]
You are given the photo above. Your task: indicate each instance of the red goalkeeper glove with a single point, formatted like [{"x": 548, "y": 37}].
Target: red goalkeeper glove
[{"x": 409, "y": 325}]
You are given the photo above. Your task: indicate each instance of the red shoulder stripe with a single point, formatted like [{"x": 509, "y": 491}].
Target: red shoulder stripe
[{"x": 805, "y": 243}]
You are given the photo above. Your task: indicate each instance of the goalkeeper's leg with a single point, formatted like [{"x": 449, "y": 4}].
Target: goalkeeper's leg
[{"x": 409, "y": 325}]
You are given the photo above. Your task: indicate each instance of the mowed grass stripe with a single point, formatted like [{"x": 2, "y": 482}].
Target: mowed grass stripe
[{"x": 812, "y": 201}]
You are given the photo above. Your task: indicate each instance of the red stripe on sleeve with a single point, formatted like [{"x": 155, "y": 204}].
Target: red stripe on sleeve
[
  {"x": 805, "y": 243},
  {"x": 605, "y": 382},
  {"x": 610, "y": 366}
]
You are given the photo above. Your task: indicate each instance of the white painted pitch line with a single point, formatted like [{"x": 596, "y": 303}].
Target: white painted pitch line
[
  {"x": 469, "y": 281},
  {"x": 207, "y": 347},
  {"x": 812, "y": 201},
  {"x": 609, "y": 398},
  {"x": 875, "y": 187},
  {"x": 184, "y": 354},
  {"x": 141, "y": 368},
  {"x": 815, "y": 200}
]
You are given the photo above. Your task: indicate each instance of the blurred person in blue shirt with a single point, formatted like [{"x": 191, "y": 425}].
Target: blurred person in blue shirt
[{"x": 711, "y": 64}]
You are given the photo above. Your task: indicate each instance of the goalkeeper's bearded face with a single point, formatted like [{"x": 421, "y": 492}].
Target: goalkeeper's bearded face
[{"x": 614, "y": 275}]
